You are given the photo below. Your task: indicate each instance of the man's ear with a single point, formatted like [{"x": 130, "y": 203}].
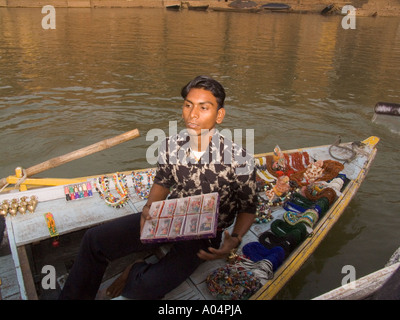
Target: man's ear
[{"x": 220, "y": 115}]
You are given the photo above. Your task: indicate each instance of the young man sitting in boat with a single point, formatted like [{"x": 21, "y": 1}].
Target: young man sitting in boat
[{"x": 199, "y": 161}]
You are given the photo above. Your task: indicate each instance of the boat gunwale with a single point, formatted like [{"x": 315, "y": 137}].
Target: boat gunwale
[{"x": 64, "y": 181}]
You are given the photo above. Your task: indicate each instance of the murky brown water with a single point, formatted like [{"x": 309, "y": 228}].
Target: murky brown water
[{"x": 297, "y": 80}]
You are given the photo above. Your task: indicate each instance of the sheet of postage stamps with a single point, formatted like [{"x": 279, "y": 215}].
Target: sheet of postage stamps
[{"x": 182, "y": 219}]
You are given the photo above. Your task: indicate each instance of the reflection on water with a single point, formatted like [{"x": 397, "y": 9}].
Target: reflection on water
[
  {"x": 391, "y": 122},
  {"x": 297, "y": 80}
]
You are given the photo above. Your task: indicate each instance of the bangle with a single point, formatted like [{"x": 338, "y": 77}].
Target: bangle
[
  {"x": 239, "y": 237},
  {"x": 147, "y": 205}
]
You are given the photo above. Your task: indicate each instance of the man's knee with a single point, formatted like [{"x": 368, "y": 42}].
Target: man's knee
[
  {"x": 143, "y": 285},
  {"x": 92, "y": 240}
]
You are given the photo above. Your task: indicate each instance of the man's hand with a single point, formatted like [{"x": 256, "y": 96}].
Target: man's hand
[
  {"x": 221, "y": 253},
  {"x": 145, "y": 216},
  {"x": 157, "y": 193}
]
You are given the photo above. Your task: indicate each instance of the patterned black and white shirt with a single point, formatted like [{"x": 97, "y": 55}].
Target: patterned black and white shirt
[{"x": 225, "y": 168}]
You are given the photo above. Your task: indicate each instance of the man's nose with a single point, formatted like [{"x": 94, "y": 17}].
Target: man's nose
[{"x": 194, "y": 113}]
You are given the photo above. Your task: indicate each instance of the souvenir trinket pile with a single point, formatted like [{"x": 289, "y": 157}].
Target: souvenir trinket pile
[
  {"x": 232, "y": 282},
  {"x": 325, "y": 170},
  {"x": 263, "y": 213},
  {"x": 294, "y": 172},
  {"x": 279, "y": 192},
  {"x": 280, "y": 163},
  {"x": 22, "y": 205},
  {"x": 304, "y": 189},
  {"x": 182, "y": 219}
]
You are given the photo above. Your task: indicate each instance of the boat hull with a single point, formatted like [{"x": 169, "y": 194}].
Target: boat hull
[
  {"x": 276, "y": 6},
  {"x": 198, "y": 8},
  {"x": 74, "y": 216}
]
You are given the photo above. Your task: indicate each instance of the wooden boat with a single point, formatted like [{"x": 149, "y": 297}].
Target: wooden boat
[
  {"x": 382, "y": 284},
  {"x": 240, "y": 6},
  {"x": 175, "y": 7},
  {"x": 327, "y": 9},
  {"x": 29, "y": 232},
  {"x": 198, "y": 7},
  {"x": 242, "y": 10},
  {"x": 273, "y": 6}
]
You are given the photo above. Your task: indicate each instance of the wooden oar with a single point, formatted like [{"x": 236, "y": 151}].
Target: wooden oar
[{"x": 57, "y": 161}]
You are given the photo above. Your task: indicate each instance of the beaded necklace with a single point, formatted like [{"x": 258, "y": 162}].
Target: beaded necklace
[
  {"x": 102, "y": 186},
  {"x": 326, "y": 192},
  {"x": 143, "y": 190},
  {"x": 297, "y": 160}
]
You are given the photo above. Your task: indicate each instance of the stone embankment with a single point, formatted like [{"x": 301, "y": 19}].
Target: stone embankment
[{"x": 363, "y": 7}]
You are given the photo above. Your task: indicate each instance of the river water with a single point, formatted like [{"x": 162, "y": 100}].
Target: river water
[{"x": 296, "y": 80}]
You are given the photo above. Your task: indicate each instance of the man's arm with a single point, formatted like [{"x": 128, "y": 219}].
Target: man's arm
[{"x": 242, "y": 225}]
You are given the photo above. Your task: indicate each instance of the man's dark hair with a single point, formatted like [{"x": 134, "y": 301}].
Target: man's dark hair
[{"x": 206, "y": 83}]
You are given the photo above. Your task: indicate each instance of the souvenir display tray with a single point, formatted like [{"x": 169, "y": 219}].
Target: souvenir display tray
[{"x": 182, "y": 219}]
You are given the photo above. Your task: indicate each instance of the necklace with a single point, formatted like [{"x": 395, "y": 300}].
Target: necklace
[
  {"x": 142, "y": 189},
  {"x": 262, "y": 172},
  {"x": 102, "y": 185}
]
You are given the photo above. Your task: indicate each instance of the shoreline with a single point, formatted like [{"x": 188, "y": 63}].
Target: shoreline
[{"x": 366, "y": 8}]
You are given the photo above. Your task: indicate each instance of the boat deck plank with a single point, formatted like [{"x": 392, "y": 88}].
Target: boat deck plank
[{"x": 9, "y": 288}]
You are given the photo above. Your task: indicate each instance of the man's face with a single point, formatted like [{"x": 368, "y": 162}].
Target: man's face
[{"x": 200, "y": 112}]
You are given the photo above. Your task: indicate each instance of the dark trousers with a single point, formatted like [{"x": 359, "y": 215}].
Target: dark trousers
[{"x": 121, "y": 237}]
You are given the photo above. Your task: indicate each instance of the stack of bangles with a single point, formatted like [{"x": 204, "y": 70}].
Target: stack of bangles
[
  {"x": 284, "y": 235},
  {"x": 300, "y": 204}
]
